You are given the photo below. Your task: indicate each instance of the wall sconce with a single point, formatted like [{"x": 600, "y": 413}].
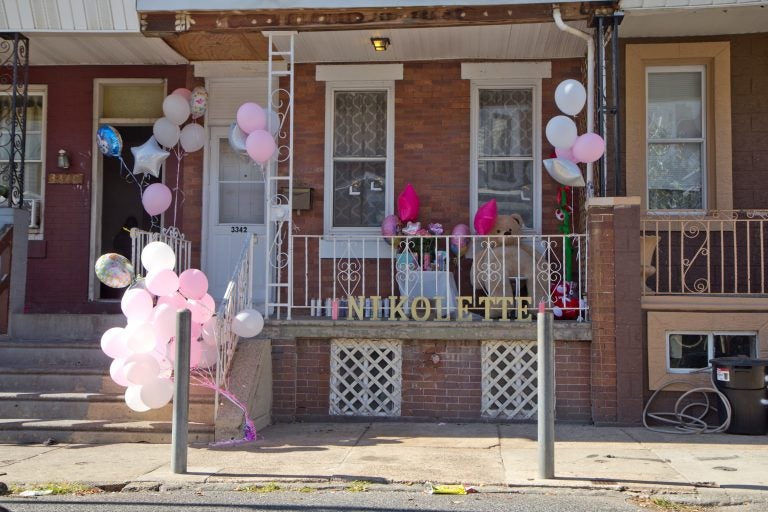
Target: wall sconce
[
  {"x": 380, "y": 44},
  {"x": 62, "y": 162}
]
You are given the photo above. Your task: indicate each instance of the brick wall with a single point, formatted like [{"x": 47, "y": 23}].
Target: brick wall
[
  {"x": 58, "y": 268},
  {"x": 432, "y": 117},
  {"x": 449, "y": 389}
]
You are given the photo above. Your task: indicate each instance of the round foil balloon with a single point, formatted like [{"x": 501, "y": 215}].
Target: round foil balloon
[
  {"x": 198, "y": 102},
  {"x": 114, "y": 270},
  {"x": 109, "y": 141}
]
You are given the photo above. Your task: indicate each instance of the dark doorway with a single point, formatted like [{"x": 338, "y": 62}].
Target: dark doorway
[{"x": 121, "y": 201}]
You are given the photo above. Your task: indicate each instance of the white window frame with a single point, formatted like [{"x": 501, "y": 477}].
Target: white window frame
[
  {"x": 710, "y": 346},
  {"x": 535, "y": 86},
  {"x": 352, "y": 86},
  {"x": 36, "y": 233},
  {"x": 702, "y": 70}
]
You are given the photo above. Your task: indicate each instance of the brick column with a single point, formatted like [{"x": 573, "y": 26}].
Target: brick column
[
  {"x": 284, "y": 356},
  {"x": 613, "y": 226}
]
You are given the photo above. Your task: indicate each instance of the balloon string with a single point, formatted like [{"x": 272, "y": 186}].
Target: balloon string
[
  {"x": 179, "y": 156},
  {"x": 129, "y": 174}
]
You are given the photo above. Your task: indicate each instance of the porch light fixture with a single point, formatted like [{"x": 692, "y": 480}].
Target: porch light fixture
[
  {"x": 63, "y": 159},
  {"x": 380, "y": 44}
]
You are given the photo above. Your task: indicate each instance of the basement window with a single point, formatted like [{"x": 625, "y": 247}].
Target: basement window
[{"x": 691, "y": 351}]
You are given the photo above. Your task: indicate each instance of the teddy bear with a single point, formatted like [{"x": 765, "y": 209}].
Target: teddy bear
[{"x": 517, "y": 256}]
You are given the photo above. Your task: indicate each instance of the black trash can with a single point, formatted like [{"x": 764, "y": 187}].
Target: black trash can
[{"x": 742, "y": 381}]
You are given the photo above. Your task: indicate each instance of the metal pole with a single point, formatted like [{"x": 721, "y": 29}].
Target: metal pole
[
  {"x": 546, "y": 378},
  {"x": 180, "y": 427},
  {"x": 616, "y": 100}
]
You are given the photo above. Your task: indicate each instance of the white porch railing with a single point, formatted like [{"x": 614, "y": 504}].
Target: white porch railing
[
  {"x": 182, "y": 247},
  {"x": 329, "y": 270},
  {"x": 722, "y": 252},
  {"x": 237, "y": 297}
]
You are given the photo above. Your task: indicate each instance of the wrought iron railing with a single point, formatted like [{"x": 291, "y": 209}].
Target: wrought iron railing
[
  {"x": 182, "y": 247},
  {"x": 439, "y": 277},
  {"x": 14, "y": 80},
  {"x": 717, "y": 253},
  {"x": 237, "y": 297}
]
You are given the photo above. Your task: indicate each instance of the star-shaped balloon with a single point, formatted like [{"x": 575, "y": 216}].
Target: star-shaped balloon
[{"x": 148, "y": 158}]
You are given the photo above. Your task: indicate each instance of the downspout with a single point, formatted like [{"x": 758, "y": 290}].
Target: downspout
[{"x": 590, "y": 82}]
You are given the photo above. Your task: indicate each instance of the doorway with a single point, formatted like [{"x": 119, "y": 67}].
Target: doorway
[{"x": 121, "y": 207}]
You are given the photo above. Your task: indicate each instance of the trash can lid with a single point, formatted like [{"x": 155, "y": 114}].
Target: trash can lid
[{"x": 738, "y": 361}]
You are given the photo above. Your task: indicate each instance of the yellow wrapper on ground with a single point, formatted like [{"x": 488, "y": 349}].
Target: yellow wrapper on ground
[{"x": 446, "y": 489}]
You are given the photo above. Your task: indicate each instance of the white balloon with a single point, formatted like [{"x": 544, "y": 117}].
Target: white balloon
[
  {"x": 209, "y": 331},
  {"x": 564, "y": 171},
  {"x": 570, "y": 97},
  {"x": 165, "y": 132},
  {"x": 158, "y": 255},
  {"x": 192, "y": 137},
  {"x": 133, "y": 399},
  {"x": 116, "y": 371},
  {"x": 141, "y": 369},
  {"x": 136, "y": 305},
  {"x": 561, "y": 132},
  {"x": 176, "y": 108},
  {"x": 208, "y": 356},
  {"x": 141, "y": 337},
  {"x": 113, "y": 342},
  {"x": 247, "y": 323},
  {"x": 156, "y": 393}
]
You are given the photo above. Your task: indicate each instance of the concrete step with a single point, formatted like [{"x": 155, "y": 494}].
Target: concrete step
[
  {"x": 53, "y": 354},
  {"x": 63, "y": 326},
  {"x": 69, "y": 380},
  {"x": 25, "y": 431},
  {"x": 91, "y": 406}
]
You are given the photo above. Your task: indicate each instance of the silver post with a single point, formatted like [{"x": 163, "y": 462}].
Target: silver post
[
  {"x": 180, "y": 427},
  {"x": 546, "y": 378}
]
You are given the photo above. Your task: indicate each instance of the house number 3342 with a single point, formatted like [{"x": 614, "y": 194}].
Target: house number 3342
[{"x": 239, "y": 229}]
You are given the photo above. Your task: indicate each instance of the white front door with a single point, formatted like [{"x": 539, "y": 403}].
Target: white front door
[{"x": 235, "y": 192}]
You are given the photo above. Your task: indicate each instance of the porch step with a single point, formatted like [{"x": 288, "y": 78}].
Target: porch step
[
  {"x": 27, "y": 431},
  {"x": 62, "y": 390},
  {"x": 63, "y": 326},
  {"x": 91, "y": 406}
]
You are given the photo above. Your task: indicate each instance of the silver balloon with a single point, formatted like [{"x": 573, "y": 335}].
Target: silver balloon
[
  {"x": 237, "y": 138},
  {"x": 564, "y": 171},
  {"x": 148, "y": 158}
]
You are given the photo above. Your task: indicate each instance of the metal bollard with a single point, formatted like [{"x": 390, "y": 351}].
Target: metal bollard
[
  {"x": 180, "y": 426},
  {"x": 546, "y": 382}
]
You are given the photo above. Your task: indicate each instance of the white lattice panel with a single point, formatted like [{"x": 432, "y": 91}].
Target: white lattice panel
[
  {"x": 366, "y": 377},
  {"x": 510, "y": 389}
]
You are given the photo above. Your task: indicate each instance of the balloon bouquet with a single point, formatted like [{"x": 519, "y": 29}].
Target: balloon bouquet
[
  {"x": 570, "y": 150},
  {"x": 143, "y": 351},
  {"x": 254, "y": 132}
]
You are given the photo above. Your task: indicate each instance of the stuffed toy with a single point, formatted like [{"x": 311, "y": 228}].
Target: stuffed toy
[
  {"x": 565, "y": 301},
  {"x": 517, "y": 256}
]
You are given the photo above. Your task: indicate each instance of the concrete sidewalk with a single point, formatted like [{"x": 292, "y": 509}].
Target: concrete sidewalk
[{"x": 728, "y": 467}]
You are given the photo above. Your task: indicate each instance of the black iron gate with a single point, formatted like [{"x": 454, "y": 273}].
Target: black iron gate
[{"x": 14, "y": 81}]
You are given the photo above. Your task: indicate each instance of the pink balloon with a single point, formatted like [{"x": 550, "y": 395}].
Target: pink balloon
[
  {"x": 260, "y": 146},
  {"x": 136, "y": 305},
  {"x": 588, "y": 147},
  {"x": 202, "y": 309},
  {"x": 196, "y": 331},
  {"x": 156, "y": 198},
  {"x": 485, "y": 218},
  {"x": 460, "y": 239},
  {"x": 566, "y": 154},
  {"x": 209, "y": 332},
  {"x": 162, "y": 282},
  {"x": 193, "y": 283},
  {"x": 183, "y": 92},
  {"x": 195, "y": 353},
  {"x": 251, "y": 117},
  {"x": 176, "y": 301},
  {"x": 408, "y": 204},
  {"x": 389, "y": 225},
  {"x": 164, "y": 321},
  {"x": 113, "y": 343}
]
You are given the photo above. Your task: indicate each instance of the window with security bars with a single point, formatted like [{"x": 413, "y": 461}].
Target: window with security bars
[
  {"x": 505, "y": 145},
  {"x": 34, "y": 153},
  {"x": 366, "y": 377},
  {"x": 360, "y": 158},
  {"x": 676, "y": 137},
  {"x": 509, "y": 383}
]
